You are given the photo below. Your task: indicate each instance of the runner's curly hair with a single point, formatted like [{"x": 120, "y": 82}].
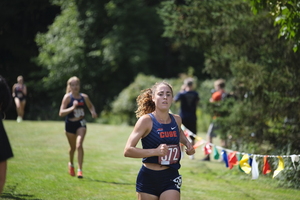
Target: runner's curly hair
[{"x": 144, "y": 100}]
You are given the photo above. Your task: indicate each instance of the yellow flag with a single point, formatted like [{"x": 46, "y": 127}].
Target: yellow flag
[
  {"x": 280, "y": 166},
  {"x": 197, "y": 137},
  {"x": 244, "y": 164}
]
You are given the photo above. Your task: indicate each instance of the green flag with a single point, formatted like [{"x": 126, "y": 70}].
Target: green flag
[{"x": 216, "y": 153}]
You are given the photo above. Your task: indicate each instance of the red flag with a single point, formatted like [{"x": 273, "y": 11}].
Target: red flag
[
  {"x": 266, "y": 167},
  {"x": 207, "y": 149},
  {"x": 232, "y": 160}
]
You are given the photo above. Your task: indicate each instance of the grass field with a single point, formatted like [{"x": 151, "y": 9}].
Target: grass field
[{"x": 39, "y": 169}]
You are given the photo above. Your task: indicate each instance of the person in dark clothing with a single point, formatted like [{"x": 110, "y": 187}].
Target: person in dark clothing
[
  {"x": 5, "y": 148},
  {"x": 189, "y": 100}
]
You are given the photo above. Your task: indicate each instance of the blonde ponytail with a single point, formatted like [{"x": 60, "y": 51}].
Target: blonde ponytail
[{"x": 73, "y": 78}]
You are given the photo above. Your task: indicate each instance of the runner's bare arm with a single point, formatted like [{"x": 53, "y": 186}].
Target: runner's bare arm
[
  {"x": 63, "y": 111},
  {"x": 141, "y": 129},
  {"x": 90, "y": 106}
]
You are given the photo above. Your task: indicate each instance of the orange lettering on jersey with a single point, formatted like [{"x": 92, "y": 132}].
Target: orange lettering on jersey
[
  {"x": 167, "y": 134},
  {"x": 162, "y": 134},
  {"x": 80, "y": 103}
]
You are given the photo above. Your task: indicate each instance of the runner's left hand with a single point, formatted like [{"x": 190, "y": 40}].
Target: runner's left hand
[{"x": 190, "y": 149}]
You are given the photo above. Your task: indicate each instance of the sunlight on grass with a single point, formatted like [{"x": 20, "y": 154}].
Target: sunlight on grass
[{"x": 39, "y": 168}]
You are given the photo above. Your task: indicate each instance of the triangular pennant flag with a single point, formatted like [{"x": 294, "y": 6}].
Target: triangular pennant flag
[
  {"x": 207, "y": 149},
  {"x": 224, "y": 156},
  {"x": 198, "y": 138},
  {"x": 250, "y": 160},
  {"x": 280, "y": 166},
  {"x": 294, "y": 158},
  {"x": 198, "y": 143},
  {"x": 216, "y": 153},
  {"x": 255, "y": 172},
  {"x": 240, "y": 158},
  {"x": 266, "y": 167},
  {"x": 232, "y": 160},
  {"x": 244, "y": 164}
]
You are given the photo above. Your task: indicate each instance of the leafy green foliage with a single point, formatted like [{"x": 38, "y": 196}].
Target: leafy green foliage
[
  {"x": 106, "y": 43},
  {"x": 61, "y": 48},
  {"x": 285, "y": 14},
  {"x": 124, "y": 106}
]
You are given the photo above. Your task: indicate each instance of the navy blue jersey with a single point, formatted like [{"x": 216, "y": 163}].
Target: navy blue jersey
[
  {"x": 188, "y": 104},
  {"x": 19, "y": 91},
  {"x": 79, "y": 111},
  {"x": 162, "y": 134}
]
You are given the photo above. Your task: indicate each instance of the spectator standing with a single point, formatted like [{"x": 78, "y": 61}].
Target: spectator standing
[
  {"x": 189, "y": 100},
  {"x": 218, "y": 94}
]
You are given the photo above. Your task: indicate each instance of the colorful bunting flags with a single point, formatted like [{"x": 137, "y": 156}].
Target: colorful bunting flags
[
  {"x": 198, "y": 143},
  {"x": 280, "y": 166},
  {"x": 244, "y": 164},
  {"x": 225, "y": 158},
  {"x": 294, "y": 159},
  {"x": 255, "y": 172},
  {"x": 216, "y": 153},
  {"x": 239, "y": 159},
  {"x": 250, "y": 160},
  {"x": 232, "y": 160},
  {"x": 266, "y": 167},
  {"x": 207, "y": 149}
]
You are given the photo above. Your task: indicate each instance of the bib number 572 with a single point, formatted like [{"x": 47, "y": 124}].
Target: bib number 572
[{"x": 172, "y": 157}]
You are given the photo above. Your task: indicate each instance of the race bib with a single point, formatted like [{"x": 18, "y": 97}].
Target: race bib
[
  {"x": 78, "y": 112},
  {"x": 172, "y": 157}
]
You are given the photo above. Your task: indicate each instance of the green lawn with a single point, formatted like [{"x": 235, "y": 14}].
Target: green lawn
[{"x": 39, "y": 169}]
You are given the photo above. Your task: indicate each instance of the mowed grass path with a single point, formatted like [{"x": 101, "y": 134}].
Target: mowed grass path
[{"x": 39, "y": 169}]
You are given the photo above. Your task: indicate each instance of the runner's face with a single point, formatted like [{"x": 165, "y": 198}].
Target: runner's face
[
  {"x": 163, "y": 97},
  {"x": 74, "y": 85},
  {"x": 20, "y": 80}
]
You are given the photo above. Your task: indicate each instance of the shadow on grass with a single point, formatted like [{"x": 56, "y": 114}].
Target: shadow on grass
[
  {"x": 11, "y": 194},
  {"x": 108, "y": 182}
]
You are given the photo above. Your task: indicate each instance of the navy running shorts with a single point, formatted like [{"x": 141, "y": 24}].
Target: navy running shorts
[
  {"x": 156, "y": 182},
  {"x": 71, "y": 127}
]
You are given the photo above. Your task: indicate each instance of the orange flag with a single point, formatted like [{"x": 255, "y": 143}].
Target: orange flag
[
  {"x": 232, "y": 160},
  {"x": 266, "y": 167},
  {"x": 198, "y": 143}
]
